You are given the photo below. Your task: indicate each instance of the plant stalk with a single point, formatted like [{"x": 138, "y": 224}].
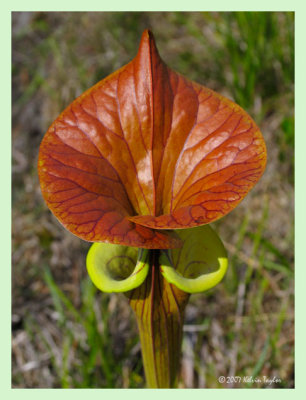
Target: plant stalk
[{"x": 159, "y": 308}]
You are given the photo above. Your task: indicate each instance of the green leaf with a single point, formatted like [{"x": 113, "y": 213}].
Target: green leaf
[
  {"x": 116, "y": 268},
  {"x": 201, "y": 262}
]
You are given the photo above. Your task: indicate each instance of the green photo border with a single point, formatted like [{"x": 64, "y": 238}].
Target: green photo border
[{"x": 300, "y": 189}]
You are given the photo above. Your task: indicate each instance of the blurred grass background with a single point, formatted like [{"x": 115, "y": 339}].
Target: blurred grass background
[{"x": 65, "y": 333}]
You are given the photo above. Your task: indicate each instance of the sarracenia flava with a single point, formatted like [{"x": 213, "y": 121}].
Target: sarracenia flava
[{"x": 140, "y": 164}]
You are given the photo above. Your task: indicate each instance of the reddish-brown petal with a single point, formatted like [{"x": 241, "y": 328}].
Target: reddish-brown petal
[
  {"x": 85, "y": 192},
  {"x": 206, "y": 159},
  {"x": 147, "y": 147}
]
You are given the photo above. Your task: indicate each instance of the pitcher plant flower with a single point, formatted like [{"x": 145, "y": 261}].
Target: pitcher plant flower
[{"x": 140, "y": 164}]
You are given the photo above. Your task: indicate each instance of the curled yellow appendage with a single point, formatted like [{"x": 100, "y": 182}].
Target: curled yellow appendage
[
  {"x": 199, "y": 265},
  {"x": 115, "y": 268}
]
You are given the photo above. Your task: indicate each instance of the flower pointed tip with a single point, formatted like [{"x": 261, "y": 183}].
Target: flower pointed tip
[
  {"x": 147, "y": 35},
  {"x": 148, "y": 45}
]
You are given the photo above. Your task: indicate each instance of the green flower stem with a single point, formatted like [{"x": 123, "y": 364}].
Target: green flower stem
[{"x": 159, "y": 308}]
